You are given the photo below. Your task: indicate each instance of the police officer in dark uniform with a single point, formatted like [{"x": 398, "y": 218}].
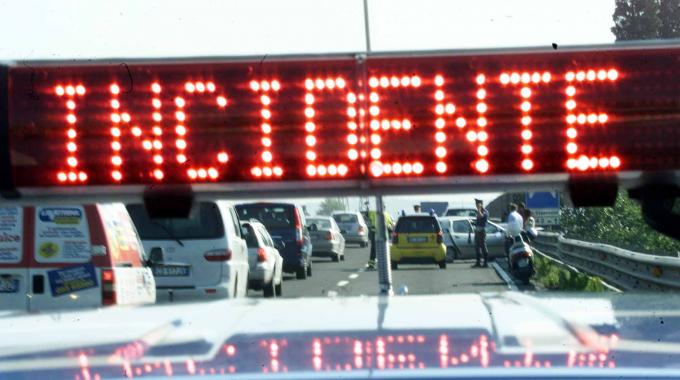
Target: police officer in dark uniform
[{"x": 480, "y": 234}]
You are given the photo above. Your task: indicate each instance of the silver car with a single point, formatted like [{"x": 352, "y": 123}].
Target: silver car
[
  {"x": 352, "y": 226},
  {"x": 327, "y": 241},
  {"x": 266, "y": 264},
  {"x": 461, "y": 237}
]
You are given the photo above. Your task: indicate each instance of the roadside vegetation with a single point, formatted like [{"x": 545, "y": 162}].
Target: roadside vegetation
[
  {"x": 553, "y": 276},
  {"x": 621, "y": 226}
]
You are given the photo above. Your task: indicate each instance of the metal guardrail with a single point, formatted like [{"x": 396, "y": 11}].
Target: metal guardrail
[{"x": 626, "y": 269}]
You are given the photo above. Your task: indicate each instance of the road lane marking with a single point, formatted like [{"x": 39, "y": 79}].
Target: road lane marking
[
  {"x": 504, "y": 276},
  {"x": 343, "y": 283},
  {"x": 353, "y": 276}
]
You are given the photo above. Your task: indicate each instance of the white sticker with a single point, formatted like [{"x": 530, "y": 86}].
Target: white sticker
[
  {"x": 11, "y": 234},
  {"x": 62, "y": 234}
]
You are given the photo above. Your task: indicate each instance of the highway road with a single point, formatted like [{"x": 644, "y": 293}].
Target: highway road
[{"x": 349, "y": 278}]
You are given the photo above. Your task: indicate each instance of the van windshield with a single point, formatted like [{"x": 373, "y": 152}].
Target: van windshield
[
  {"x": 423, "y": 224},
  {"x": 204, "y": 222},
  {"x": 272, "y": 216},
  {"x": 345, "y": 218}
]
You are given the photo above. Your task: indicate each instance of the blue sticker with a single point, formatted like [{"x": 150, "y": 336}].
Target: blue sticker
[
  {"x": 72, "y": 279},
  {"x": 61, "y": 215}
]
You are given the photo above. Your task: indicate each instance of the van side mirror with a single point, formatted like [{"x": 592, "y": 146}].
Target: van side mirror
[
  {"x": 312, "y": 227},
  {"x": 279, "y": 244},
  {"x": 156, "y": 255}
]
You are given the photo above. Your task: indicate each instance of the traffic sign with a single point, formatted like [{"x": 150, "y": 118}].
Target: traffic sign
[{"x": 544, "y": 199}]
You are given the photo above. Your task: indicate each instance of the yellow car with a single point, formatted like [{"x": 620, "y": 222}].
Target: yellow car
[{"x": 418, "y": 239}]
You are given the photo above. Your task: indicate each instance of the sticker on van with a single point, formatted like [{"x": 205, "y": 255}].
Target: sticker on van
[
  {"x": 72, "y": 279},
  {"x": 61, "y": 215},
  {"x": 11, "y": 231},
  {"x": 62, "y": 235}
]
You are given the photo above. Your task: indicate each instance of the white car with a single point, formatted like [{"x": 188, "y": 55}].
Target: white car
[
  {"x": 459, "y": 238},
  {"x": 266, "y": 264},
  {"x": 203, "y": 256}
]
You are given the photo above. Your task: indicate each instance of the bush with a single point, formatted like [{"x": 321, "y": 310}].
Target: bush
[
  {"x": 621, "y": 225},
  {"x": 554, "y": 276}
]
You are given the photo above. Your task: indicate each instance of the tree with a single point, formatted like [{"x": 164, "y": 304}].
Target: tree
[
  {"x": 621, "y": 225},
  {"x": 636, "y": 20},
  {"x": 646, "y": 19},
  {"x": 329, "y": 205},
  {"x": 669, "y": 14}
]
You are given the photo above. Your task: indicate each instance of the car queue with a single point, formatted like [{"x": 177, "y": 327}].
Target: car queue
[{"x": 75, "y": 256}]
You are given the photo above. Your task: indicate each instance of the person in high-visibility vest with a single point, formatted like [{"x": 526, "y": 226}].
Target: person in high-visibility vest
[{"x": 371, "y": 219}]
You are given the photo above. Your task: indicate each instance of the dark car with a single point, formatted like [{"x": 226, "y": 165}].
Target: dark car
[{"x": 286, "y": 223}]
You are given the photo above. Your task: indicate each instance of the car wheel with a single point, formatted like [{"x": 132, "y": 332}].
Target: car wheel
[
  {"x": 309, "y": 269},
  {"x": 450, "y": 254},
  {"x": 336, "y": 258},
  {"x": 342, "y": 257},
  {"x": 301, "y": 273},
  {"x": 394, "y": 265},
  {"x": 442, "y": 264},
  {"x": 278, "y": 289},
  {"x": 268, "y": 289},
  {"x": 364, "y": 244}
]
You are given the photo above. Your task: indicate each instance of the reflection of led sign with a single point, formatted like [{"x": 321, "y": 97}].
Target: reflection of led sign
[
  {"x": 317, "y": 119},
  {"x": 341, "y": 352}
]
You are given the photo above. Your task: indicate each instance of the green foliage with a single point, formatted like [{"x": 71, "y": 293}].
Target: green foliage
[
  {"x": 646, "y": 19},
  {"x": 553, "y": 276},
  {"x": 329, "y": 205},
  {"x": 621, "y": 226}
]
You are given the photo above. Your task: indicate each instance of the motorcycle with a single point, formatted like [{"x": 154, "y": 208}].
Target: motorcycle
[{"x": 520, "y": 259}]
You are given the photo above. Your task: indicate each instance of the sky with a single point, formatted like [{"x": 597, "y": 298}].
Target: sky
[{"x": 65, "y": 29}]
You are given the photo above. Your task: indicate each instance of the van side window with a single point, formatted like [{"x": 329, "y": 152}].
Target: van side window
[{"x": 234, "y": 221}]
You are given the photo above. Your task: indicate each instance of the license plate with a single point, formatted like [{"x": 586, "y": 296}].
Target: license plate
[
  {"x": 523, "y": 263},
  {"x": 417, "y": 239},
  {"x": 171, "y": 271},
  {"x": 9, "y": 285}
]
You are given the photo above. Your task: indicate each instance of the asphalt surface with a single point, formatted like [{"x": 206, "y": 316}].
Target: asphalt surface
[{"x": 349, "y": 278}]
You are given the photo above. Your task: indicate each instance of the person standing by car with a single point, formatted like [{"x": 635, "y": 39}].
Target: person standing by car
[
  {"x": 523, "y": 211},
  {"x": 480, "y": 234},
  {"x": 515, "y": 221},
  {"x": 416, "y": 209},
  {"x": 372, "y": 220}
]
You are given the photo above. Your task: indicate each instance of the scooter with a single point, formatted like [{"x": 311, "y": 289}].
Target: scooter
[{"x": 520, "y": 259}]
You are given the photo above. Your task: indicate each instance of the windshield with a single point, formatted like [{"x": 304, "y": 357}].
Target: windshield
[
  {"x": 417, "y": 225},
  {"x": 322, "y": 224},
  {"x": 461, "y": 212},
  {"x": 339, "y": 188},
  {"x": 271, "y": 216},
  {"x": 346, "y": 218},
  {"x": 204, "y": 222}
]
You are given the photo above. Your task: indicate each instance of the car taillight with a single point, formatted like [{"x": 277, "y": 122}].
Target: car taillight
[
  {"x": 440, "y": 237},
  {"x": 108, "y": 287},
  {"x": 298, "y": 227},
  {"x": 261, "y": 255},
  {"x": 218, "y": 255},
  {"x": 329, "y": 236},
  {"x": 395, "y": 238}
]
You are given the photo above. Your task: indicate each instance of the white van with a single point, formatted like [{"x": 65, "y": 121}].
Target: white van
[
  {"x": 202, "y": 256},
  {"x": 65, "y": 257}
]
